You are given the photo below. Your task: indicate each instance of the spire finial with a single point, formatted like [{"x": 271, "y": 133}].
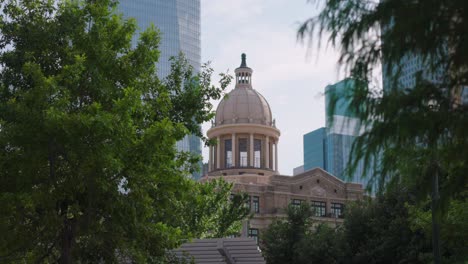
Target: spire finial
[{"x": 243, "y": 63}]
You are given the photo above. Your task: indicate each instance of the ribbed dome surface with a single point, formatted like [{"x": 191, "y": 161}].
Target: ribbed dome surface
[{"x": 243, "y": 105}]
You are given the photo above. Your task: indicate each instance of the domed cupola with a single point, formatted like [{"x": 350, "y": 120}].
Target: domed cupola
[
  {"x": 243, "y": 104},
  {"x": 245, "y": 131}
]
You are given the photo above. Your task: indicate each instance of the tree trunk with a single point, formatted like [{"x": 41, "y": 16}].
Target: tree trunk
[
  {"x": 67, "y": 237},
  {"x": 435, "y": 218}
]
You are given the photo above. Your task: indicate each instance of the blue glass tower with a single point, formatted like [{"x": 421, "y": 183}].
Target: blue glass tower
[
  {"x": 315, "y": 145},
  {"x": 179, "y": 24},
  {"x": 329, "y": 147}
]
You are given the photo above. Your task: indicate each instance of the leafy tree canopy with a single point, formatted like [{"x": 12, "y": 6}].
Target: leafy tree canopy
[
  {"x": 390, "y": 228},
  {"x": 280, "y": 240},
  {"x": 88, "y": 167},
  {"x": 412, "y": 132}
]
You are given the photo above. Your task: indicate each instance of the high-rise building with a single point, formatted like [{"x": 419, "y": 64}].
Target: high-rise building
[
  {"x": 179, "y": 25},
  {"x": 315, "y": 145},
  {"x": 329, "y": 147},
  {"x": 341, "y": 130},
  {"x": 405, "y": 72},
  {"x": 178, "y": 22}
]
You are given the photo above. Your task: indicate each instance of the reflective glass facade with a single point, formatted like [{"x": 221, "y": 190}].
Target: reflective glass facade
[
  {"x": 329, "y": 147},
  {"x": 314, "y": 149},
  {"x": 405, "y": 72},
  {"x": 179, "y": 24}
]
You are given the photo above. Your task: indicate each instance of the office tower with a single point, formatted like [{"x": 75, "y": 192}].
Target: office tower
[
  {"x": 405, "y": 72},
  {"x": 179, "y": 24},
  {"x": 341, "y": 130},
  {"x": 315, "y": 145},
  {"x": 329, "y": 147}
]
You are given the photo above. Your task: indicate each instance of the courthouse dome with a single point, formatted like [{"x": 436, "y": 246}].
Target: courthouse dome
[{"x": 243, "y": 105}]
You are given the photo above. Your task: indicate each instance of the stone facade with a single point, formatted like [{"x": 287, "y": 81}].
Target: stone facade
[
  {"x": 246, "y": 154},
  {"x": 276, "y": 192}
]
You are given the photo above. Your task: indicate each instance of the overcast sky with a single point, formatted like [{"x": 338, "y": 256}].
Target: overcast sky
[{"x": 288, "y": 74}]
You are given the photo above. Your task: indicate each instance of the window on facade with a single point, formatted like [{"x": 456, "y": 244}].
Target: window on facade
[
  {"x": 296, "y": 202},
  {"x": 243, "y": 152},
  {"x": 212, "y": 158},
  {"x": 257, "y": 153},
  {"x": 228, "y": 152},
  {"x": 337, "y": 210},
  {"x": 273, "y": 159},
  {"x": 247, "y": 204},
  {"x": 256, "y": 204},
  {"x": 319, "y": 208},
  {"x": 253, "y": 233}
]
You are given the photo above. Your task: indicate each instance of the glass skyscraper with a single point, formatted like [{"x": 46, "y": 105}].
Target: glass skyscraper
[
  {"x": 405, "y": 72},
  {"x": 329, "y": 147},
  {"x": 179, "y": 24},
  {"x": 315, "y": 145}
]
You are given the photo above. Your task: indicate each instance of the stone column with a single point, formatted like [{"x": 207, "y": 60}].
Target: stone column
[
  {"x": 245, "y": 228},
  {"x": 233, "y": 149},
  {"x": 276, "y": 155},
  {"x": 267, "y": 152},
  {"x": 251, "y": 150},
  {"x": 218, "y": 153}
]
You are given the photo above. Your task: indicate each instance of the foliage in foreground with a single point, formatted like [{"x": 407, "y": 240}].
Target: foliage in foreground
[
  {"x": 416, "y": 132},
  {"x": 89, "y": 172},
  {"x": 387, "y": 229}
]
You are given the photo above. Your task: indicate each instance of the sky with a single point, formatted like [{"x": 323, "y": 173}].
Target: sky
[{"x": 290, "y": 75}]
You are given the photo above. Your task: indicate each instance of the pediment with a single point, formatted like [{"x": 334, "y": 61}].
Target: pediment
[
  {"x": 318, "y": 191},
  {"x": 318, "y": 183}
]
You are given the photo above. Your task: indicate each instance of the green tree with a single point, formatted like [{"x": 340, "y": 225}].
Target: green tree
[
  {"x": 211, "y": 210},
  {"x": 323, "y": 244},
  {"x": 88, "y": 167},
  {"x": 390, "y": 228},
  {"x": 280, "y": 240},
  {"x": 417, "y": 135},
  {"x": 374, "y": 231},
  {"x": 454, "y": 229},
  {"x": 378, "y": 231}
]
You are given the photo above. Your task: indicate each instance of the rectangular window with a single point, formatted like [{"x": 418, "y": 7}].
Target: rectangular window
[
  {"x": 243, "y": 152},
  {"x": 256, "y": 204},
  {"x": 247, "y": 204},
  {"x": 228, "y": 153},
  {"x": 297, "y": 202},
  {"x": 253, "y": 232},
  {"x": 257, "y": 153},
  {"x": 319, "y": 208},
  {"x": 273, "y": 156},
  {"x": 337, "y": 210}
]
